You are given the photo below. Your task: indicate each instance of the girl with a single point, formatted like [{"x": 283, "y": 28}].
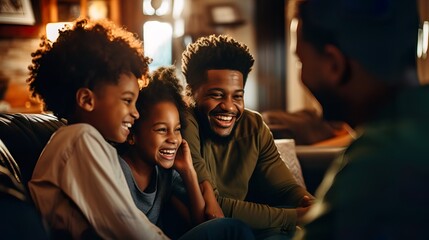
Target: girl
[{"x": 158, "y": 166}]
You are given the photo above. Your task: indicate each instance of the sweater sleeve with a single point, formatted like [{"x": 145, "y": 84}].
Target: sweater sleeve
[
  {"x": 259, "y": 216},
  {"x": 272, "y": 174},
  {"x": 276, "y": 184},
  {"x": 191, "y": 134}
]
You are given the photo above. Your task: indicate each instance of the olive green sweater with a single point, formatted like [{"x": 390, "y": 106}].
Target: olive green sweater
[{"x": 248, "y": 161}]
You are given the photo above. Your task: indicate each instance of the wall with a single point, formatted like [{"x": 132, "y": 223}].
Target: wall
[
  {"x": 15, "y": 52},
  {"x": 246, "y": 34},
  {"x": 15, "y": 57}
]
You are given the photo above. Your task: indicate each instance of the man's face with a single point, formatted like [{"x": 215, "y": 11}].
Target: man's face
[
  {"x": 220, "y": 100},
  {"x": 314, "y": 71}
]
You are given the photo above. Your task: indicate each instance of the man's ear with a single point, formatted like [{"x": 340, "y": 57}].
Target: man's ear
[
  {"x": 336, "y": 64},
  {"x": 85, "y": 99}
]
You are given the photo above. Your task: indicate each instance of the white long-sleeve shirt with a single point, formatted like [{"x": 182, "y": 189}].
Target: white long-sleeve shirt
[{"x": 78, "y": 183}]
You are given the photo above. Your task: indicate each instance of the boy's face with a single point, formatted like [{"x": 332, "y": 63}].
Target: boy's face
[
  {"x": 158, "y": 137},
  {"x": 114, "y": 108},
  {"x": 220, "y": 100}
]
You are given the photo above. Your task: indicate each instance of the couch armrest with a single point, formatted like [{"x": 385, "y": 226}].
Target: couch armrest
[{"x": 315, "y": 160}]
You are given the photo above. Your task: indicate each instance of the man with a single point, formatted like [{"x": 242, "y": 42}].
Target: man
[
  {"x": 232, "y": 148},
  {"x": 358, "y": 59}
]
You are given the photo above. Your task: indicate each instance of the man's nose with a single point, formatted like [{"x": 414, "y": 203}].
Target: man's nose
[{"x": 227, "y": 104}]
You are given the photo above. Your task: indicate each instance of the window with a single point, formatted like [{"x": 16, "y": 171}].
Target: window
[{"x": 158, "y": 43}]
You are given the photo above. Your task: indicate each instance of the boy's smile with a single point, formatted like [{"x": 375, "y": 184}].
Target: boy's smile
[{"x": 114, "y": 109}]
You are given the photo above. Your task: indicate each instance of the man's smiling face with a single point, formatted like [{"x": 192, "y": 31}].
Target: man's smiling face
[{"x": 220, "y": 100}]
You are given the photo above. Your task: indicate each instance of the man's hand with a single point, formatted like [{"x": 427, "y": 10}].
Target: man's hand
[
  {"x": 302, "y": 209},
  {"x": 300, "y": 212},
  {"x": 306, "y": 201}
]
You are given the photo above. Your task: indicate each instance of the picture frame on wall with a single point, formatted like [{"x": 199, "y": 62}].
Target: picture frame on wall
[
  {"x": 17, "y": 12},
  {"x": 224, "y": 14}
]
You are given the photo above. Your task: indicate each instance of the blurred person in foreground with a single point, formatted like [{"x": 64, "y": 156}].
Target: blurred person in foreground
[{"x": 358, "y": 59}]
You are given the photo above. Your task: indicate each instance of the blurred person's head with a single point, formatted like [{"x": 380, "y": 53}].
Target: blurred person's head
[
  {"x": 216, "y": 70},
  {"x": 356, "y": 54}
]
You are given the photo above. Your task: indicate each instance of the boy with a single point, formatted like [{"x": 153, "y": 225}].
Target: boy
[{"x": 88, "y": 77}]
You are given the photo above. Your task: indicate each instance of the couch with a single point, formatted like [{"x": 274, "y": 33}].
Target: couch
[
  {"x": 23, "y": 137},
  {"x": 318, "y": 142}
]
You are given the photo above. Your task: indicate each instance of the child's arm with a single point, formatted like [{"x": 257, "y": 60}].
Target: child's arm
[
  {"x": 183, "y": 165},
  {"x": 213, "y": 210},
  {"x": 90, "y": 184}
]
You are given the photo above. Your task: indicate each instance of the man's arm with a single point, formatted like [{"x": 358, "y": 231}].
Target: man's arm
[
  {"x": 212, "y": 210},
  {"x": 274, "y": 177},
  {"x": 191, "y": 135},
  {"x": 256, "y": 215}
]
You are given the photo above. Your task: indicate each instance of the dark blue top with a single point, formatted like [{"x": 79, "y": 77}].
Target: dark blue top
[{"x": 166, "y": 182}]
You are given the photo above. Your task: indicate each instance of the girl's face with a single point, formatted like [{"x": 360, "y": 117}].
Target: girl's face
[{"x": 158, "y": 137}]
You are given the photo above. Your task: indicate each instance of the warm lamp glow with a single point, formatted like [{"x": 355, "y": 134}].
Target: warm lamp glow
[
  {"x": 53, "y": 28},
  {"x": 98, "y": 10}
]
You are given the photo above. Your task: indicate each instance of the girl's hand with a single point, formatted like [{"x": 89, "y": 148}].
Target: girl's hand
[{"x": 183, "y": 161}]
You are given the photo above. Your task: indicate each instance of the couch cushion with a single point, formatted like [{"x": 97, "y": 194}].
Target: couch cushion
[
  {"x": 18, "y": 217},
  {"x": 286, "y": 148},
  {"x": 25, "y": 135},
  {"x": 304, "y": 126},
  {"x": 10, "y": 176}
]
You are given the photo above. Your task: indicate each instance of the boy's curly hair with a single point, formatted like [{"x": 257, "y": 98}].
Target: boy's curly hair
[
  {"x": 86, "y": 55},
  {"x": 214, "y": 52}
]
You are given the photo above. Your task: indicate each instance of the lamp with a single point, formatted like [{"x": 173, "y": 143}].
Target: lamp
[{"x": 97, "y": 10}]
